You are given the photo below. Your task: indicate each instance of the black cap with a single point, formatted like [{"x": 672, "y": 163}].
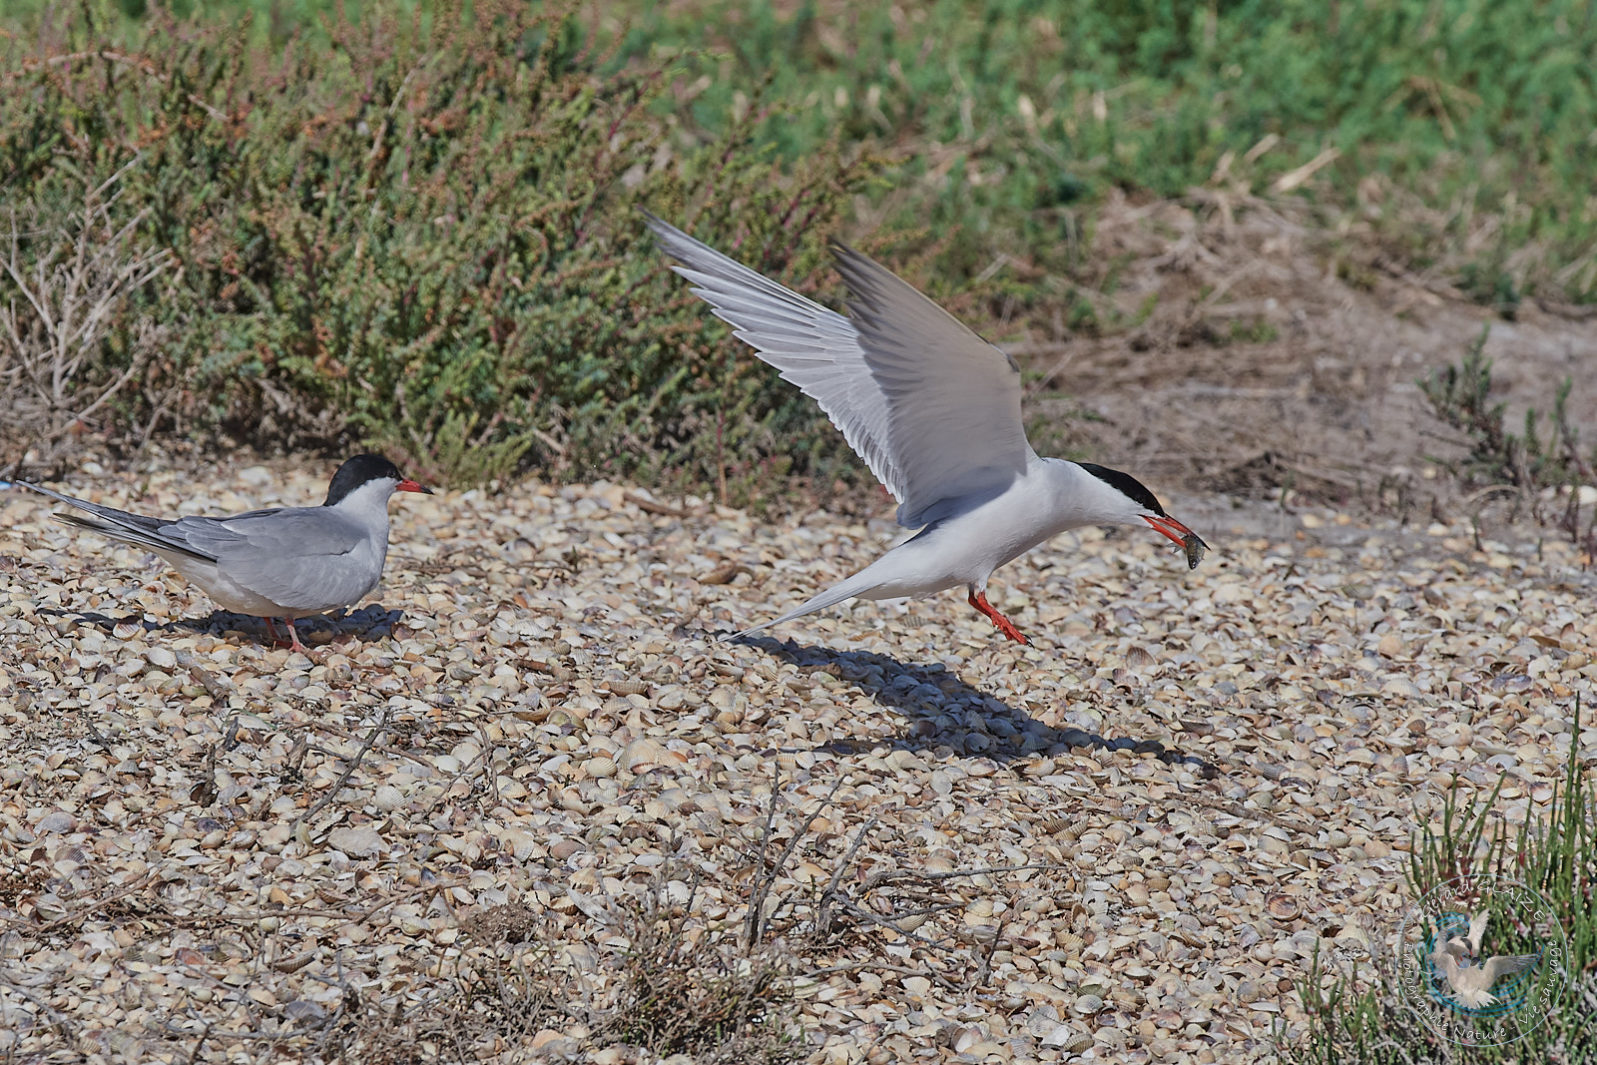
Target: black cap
[
  {"x": 1126, "y": 484},
  {"x": 359, "y": 471}
]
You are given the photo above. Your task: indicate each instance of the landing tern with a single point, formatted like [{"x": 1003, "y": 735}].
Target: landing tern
[
  {"x": 934, "y": 411},
  {"x": 1471, "y": 977}
]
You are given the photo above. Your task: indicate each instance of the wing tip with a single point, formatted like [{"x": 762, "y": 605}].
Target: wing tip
[
  {"x": 659, "y": 225},
  {"x": 667, "y": 237},
  {"x": 738, "y": 637}
]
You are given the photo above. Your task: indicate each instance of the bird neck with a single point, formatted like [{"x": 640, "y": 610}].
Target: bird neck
[
  {"x": 1081, "y": 499},
  {"x": 367, "y": 505}
]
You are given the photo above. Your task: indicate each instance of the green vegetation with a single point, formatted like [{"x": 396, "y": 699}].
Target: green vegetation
[
  {"x": 416, "y": 231},
  {"x": 1014, "y": 116},
  {"x": 1461, "y": 396},
  {"x": 417, "y": 238},
  {"x": 1354, "y": 1021}
]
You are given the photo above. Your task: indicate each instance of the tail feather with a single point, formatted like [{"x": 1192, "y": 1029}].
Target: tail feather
[
  {"x": 844, "y": 589},
  {"x": 120, "y": 525},
  {"x": 128, "y": 534}
]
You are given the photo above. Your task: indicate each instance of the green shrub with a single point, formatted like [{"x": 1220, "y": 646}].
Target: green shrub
[
  {"x": 415, "y": 231},
  {"x": 423, "y": 238}
]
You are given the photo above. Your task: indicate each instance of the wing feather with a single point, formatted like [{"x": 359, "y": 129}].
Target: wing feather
[
  {"x": 1508, "y": 964},
  {"x": 301, "y": 558},
  {"x": 123, "y": 525},
  {"x": 931, "y": 408}
]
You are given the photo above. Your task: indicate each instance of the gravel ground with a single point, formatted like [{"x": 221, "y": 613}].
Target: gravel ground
[{"x": 1123, "y": 843}]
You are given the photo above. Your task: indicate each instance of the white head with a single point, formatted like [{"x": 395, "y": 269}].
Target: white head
[
  {"x": 1121, "y": 499},
  {"x": 368, "y": 480}
]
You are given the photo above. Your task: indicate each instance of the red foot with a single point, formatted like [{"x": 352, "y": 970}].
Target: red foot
[
  {"x": 295, "y": 645},
  {"x": 293, "y": 637},
  {"x": 979, "y": 601}
]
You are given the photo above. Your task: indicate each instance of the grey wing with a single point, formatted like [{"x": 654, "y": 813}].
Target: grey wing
[
  {"x": 953, "y": 400},
  {"x": 932, "y": 408},
  {"x": 814, "y": 348},
  {"x": 302, "y": 558},
  {"x": 123, "y": 525},
  {"x": 1503, "y": 965},
  {"x": 1477, "y": 929}
]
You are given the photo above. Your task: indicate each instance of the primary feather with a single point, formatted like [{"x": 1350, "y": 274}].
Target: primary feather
[{"x": 933, "y": 409}]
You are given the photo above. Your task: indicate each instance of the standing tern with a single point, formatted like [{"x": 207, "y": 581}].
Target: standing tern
[
  {"x": 934, "y": 410},
  {"x": 285, "y": 562}
]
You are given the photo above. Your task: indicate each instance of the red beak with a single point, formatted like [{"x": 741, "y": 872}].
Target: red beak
[
  {"x": 1190, "y": 541},
  {"x": 408, "y": 485}
]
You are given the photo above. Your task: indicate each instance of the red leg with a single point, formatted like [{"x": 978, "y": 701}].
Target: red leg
[
  {"x": 979, "y": 601},
  {"x": 292, "y": 639},
  {"x": 293, "y": 636}
]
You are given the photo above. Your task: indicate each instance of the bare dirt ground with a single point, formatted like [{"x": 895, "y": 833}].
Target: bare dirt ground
[{"x": 1264, "y": 370}]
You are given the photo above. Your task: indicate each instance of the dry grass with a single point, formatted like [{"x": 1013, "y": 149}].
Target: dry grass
[
  {"x": 74, "y": 271},
  {"x": 682, "y": 989}
]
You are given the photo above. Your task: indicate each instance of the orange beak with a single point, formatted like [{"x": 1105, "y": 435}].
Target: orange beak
[
  {"x": 1189, "y": 541},
  {"x": 408, "y": 485}
]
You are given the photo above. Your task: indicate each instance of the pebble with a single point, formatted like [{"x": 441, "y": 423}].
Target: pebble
[
  {"x": 356, "y": 842},
  {"x": 1137, "y": 828}
]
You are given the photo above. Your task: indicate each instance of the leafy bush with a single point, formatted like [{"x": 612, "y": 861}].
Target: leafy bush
[
  {"x": 414, "y": 231},
  {"x": 422, "y": 237}
]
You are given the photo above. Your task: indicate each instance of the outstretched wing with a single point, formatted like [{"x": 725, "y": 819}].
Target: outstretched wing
[
  {"x": 1495, "y": 969},
  {"x": 932, "y": 408}
]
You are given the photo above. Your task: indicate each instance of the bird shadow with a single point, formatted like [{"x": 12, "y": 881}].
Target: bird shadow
[
  {"x": 370, "y": 624},
  {"x": 937, "y": 703}
]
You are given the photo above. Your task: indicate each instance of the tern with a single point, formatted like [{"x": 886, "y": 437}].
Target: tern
[
  {"x": 1469, "y": 945},
  {"x": 1470, "y": 977},
  {"x": 285, "y": 562},
  {"x": 934, "y": 411}
]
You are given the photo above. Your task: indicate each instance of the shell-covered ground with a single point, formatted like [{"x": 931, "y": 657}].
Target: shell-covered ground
[{"x": 526, "y": 779}]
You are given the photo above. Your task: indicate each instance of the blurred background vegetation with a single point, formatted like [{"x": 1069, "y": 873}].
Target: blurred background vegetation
[{"x": 412, "y": 225}]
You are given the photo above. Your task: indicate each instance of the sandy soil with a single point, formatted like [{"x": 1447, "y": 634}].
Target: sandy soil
[{"x": 1325, "y": 404}]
